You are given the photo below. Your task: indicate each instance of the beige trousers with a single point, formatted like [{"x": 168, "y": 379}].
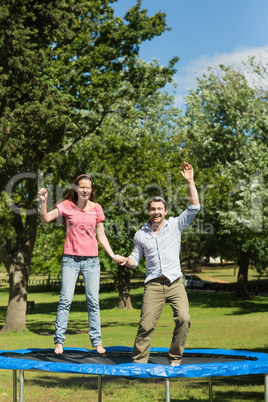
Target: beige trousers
[{"x": 156, "y": 294}]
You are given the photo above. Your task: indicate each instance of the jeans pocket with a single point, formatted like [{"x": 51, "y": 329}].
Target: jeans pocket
[
  {"x": 94, "y": 263},
  {"x": 66, "y": 260}
]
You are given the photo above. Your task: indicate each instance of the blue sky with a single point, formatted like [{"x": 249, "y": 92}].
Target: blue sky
[{"x": 205, "y": 33}]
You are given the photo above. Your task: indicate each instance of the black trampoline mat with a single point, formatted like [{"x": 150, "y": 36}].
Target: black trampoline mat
[{"x": 115, "y": 358}]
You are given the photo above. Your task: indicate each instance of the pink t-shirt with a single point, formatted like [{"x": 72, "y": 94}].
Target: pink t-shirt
[{"x": 80, "y": 228}]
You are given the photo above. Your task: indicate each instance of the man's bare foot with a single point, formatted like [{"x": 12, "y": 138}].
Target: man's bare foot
[
  {"x": 100, "y": 350},
  {"x": 58, "y": 349}
]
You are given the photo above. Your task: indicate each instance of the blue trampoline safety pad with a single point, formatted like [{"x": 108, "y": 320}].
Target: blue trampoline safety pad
[{"x": 195, "y": 362}]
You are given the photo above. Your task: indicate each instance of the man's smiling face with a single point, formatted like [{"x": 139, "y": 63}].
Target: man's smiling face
[{"x": 157, "y": 213}]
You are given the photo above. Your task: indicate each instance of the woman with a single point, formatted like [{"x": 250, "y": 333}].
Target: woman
[{"x": 80, "y": 254}]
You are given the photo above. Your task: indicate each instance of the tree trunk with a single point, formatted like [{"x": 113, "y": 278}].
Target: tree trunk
[
  {"x": 48, "y": 281},
  {"x": 124, "y": 288},
  {"x": 17, "y": 304},
  {"x": 195, "y": 265},
  {"x": 242, "y": 279},
  {"x": 18, "y": 267}
]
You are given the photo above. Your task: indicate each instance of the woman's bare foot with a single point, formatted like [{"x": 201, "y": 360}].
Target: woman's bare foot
[
  {"x": 100, "y": 350},
  {"x": 58, "y": 349}
]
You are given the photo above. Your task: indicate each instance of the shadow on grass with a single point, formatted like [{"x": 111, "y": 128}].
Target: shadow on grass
[
  {"x": 244, "y": 385},
  {"x": 3, "y": 311},
  {"x": 83, "y": 382},
  {"x": 222, "y": 387},
  {"x": 227, "y": 300},
  {"x": 42, "y": 327},
  {"x": 110, "y": 300},
  {"x": 80, "y": 306},
  {"x": 74, "y": 326},
  {"x": 208, "y": 299}
]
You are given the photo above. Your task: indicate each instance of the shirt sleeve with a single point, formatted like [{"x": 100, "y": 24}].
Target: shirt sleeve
[
  {"x": 61, "y": 208},
  {"x": 187, "y": 216},
  {"x": 137, "y": 251},
  {"x": 100, "y": 214}
]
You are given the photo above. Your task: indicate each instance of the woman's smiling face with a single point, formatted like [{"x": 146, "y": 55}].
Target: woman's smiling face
[{"x": 84, "y": 189}]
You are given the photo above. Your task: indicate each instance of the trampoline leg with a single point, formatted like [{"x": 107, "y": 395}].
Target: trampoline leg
[
  {"x": 167, "y": 390},
  {"x": 14, "y": 385},
  {"x": 99, "y": 388},
  {"x": 266, "y": 387},
  {"x": 21, "y": 385},
  {"x": 210, "y": 389}
]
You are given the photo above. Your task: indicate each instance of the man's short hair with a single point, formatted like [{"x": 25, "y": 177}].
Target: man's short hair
[{"x": 157, "y": 199}]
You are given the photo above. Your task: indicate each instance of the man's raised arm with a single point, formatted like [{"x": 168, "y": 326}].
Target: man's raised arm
[{"x": 188, "y": 175}]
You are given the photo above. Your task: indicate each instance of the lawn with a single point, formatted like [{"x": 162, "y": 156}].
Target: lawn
[
  {"x": 218, "y": 321},
  {"x": 227, "y": 273}
]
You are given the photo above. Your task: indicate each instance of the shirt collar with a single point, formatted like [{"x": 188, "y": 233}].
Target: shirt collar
[{"x": 148, "y": 226}]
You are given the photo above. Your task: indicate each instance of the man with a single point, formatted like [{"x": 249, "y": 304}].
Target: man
[{"x": 159, "y": 241}]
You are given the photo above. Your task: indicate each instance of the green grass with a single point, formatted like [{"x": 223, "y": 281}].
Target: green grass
[
  {"x": 218, "y": 321},
  {"x": 227, "y": 273}
]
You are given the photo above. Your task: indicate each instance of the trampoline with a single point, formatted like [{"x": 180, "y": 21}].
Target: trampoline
[{"x": 117, "y": 362}]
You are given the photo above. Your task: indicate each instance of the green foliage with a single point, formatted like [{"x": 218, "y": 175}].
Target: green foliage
[
  {"x": 7, "y": 231},
  {"x": 226, "y": 132},
  {"x": 65, "y": 67},
  {"x": 130, "y": 160},
  {"x": 47, "y": 254},
  {"x": 32, "y": 108}
]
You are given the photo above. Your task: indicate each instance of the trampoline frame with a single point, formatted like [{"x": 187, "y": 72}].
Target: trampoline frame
[{"x": 249, "y": 363}]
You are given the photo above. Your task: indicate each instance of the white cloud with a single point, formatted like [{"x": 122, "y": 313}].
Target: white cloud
[{"x": 186, "y": 77}]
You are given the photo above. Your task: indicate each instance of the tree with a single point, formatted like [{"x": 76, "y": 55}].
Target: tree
[
  {"x": 132, "y": 160},
  {"x": 226, "y": 132},
  {"x": 139, "y": 156},
  {"x": 65, "y": 67}
]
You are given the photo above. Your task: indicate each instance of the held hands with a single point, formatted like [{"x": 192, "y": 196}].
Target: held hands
[
  {"x": 188, "y": 172},
  {"x": 43, "y": 194},
  {"x": 119, "y": 259}
]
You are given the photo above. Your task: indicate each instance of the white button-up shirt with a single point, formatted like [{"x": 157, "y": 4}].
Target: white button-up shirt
[{"x": 162, "y": 251}]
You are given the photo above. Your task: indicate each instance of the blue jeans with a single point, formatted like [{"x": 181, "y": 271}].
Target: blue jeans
[{"x": 70, "y": 269}]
